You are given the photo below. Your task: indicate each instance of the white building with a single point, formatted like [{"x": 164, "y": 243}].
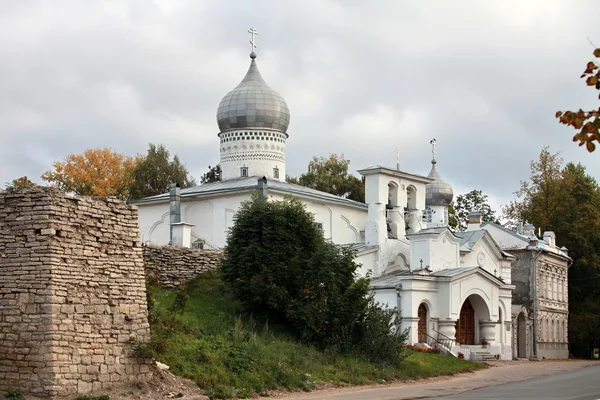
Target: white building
[{"x": 444, "y": 284}]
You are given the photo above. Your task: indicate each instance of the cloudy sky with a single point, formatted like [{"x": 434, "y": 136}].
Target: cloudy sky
[{"x": 361, "y": 78}]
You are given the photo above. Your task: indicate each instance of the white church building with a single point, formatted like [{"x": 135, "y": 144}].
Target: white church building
[{"x": 448, "y": 287}]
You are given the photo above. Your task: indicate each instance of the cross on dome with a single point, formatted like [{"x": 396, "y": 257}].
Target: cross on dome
[
  {"x": 253, "y": 32},
  {"x": 432, "y": 143}
]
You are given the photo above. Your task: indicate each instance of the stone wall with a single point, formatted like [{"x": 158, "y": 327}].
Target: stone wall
[
  {"x": 174, "y": 266},
  {"x": 72, "y": 293}
]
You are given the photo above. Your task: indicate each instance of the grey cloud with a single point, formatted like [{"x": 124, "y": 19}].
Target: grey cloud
[{"x": 487, "y": 78}]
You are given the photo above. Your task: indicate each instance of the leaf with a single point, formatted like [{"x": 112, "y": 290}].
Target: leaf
[
  {"x": 597, "y": 52},
  {"x": 590, "y": 146},
  {"x": 592, "y": 81},
  {"x": 558, "y": 114}
]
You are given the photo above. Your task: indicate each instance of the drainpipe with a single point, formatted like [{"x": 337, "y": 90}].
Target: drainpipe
[
  {"x": 534, "y": 260},
  {"x": 262, "y": 187},
  {"x": 175, "y": 208}
]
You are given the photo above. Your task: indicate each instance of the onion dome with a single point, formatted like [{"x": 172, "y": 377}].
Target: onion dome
[
  {"x": 253, "y": 104},
  {"x": 439, "y": 192}
]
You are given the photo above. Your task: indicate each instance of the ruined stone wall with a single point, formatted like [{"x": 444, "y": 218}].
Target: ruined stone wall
[
  {"x": 72, "y": 293},
  {"x": 174, "y": 266}
]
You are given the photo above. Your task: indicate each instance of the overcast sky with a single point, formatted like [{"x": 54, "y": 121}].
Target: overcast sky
[{"x": 361, "y": 78}]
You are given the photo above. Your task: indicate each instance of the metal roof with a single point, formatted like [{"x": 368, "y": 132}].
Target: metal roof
[
  {"x": 468, "y": 239},
  {"x": 253, "y": 104},
  {"x": 359, "y": 247},
  {"x": 439, "y": 192},
  {"x": 251, "y": 183}
]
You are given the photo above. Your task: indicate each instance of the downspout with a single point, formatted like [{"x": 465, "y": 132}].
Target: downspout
[
  {"x": 174, "y": 208},
  {"x": 534, "y": 260}
]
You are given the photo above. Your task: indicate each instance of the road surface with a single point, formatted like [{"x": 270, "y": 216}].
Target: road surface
[
  {"x": 581, "y": 384},
  {"x": 502, "y": 375}
]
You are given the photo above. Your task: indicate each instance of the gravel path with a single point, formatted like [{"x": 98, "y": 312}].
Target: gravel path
[{"x": 499, "y": 372}]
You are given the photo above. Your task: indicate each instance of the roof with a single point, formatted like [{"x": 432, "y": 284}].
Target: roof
[
  {"x": 394, "y": 172},
  {"x": 359, "y": 247},
  {"x": 439, "y": 192},
  {"x": 541, "y": 245},
  {"x": 250, "y": 183},
  {"x": 391, "y": 281},
  {"x": 468, "y": 239},
  {"x": 253, "y": 104}
]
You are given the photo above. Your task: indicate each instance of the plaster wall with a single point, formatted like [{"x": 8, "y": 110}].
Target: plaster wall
[
  {"x": 212, "y": 218},
  {"x": 259, "y": 150},
  {"x": 438, "y": 251}
]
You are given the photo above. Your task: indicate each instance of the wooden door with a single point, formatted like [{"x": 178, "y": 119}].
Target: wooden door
[
  {"x": 422, "y": 328},
  {"x": 465, "y": 326}
]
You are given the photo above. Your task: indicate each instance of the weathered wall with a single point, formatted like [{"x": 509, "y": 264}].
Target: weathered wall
[
  {"x": 72, "y": 293},
  {"x": 174, "y": 266}
]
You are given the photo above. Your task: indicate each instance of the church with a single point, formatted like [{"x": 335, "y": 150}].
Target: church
[{"x": 451, "y": 289}]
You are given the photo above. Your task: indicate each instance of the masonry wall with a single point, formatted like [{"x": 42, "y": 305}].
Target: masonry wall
[
  {"x": 174, "y": 266},
  {"x": 72, "y": 293}
]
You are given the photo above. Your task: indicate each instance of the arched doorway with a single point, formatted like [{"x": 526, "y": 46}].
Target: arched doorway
[
  {"x": 422, "y": 327},
  {"x": 521, "y": 336},
  {"x": 465, "y": 326}
]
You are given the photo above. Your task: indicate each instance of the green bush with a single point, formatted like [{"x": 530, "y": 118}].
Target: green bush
[
  {"x": 278, "y": 263},
  {"x": 14, "y": 394}
]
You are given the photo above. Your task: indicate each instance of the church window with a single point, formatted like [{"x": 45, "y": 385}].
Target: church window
[
  {"x": 319, "y": 226},
  {"x": 276, "y": 173},
  {"x": 198, "y": 244},
  {"x": 244, "y": 171}
]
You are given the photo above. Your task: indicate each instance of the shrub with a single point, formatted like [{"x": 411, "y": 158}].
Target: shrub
[
  {"x": 278, "y": 263},
  {"x": 14, "y": 394}
]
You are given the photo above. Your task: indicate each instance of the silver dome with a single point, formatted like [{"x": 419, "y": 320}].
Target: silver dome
[
  {"x": 253, "y": 104},
  {"x": 439, "y": 192}
]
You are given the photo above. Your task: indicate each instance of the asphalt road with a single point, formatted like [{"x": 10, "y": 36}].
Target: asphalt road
[{"x": 581, "y": 384}]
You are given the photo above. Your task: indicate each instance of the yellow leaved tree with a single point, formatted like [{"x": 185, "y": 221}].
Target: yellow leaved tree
[{"x": 96, "y": 172}]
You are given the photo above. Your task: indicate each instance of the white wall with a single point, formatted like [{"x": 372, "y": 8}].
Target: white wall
[
  {"x": 212, "y": 217},
  {"x": 437, "y": 250},
  {"x": 261, "y": 150}
]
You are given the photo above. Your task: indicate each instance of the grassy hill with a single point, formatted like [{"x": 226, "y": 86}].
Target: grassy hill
[{"x": 199, "y": 333}]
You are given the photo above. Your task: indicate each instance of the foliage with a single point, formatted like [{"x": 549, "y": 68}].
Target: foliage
[
  {"x": 155, "y": 173},
  {"x": 423, "y": 349},
  {"x": 277, "y": 262},
  {"x": 586, "y": 122},
  {"x": 233, "y": 357},
  {"x": 475, "y": 200},
  {"x": 21, "y": 182},
  {"x": 567, "y": 201},
  {"x": 331, "y": 175},
  {"x": 538, "y": 199},
  {"x": 213, "y": 174},
  {"x": 13, "y": 394},
  {"x": 96, "y": 172}
]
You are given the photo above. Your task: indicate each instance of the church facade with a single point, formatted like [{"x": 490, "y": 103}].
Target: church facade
[{"x": 448, "y": 287}]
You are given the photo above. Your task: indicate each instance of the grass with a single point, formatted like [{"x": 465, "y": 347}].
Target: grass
[{"x": 206, "y": 340}]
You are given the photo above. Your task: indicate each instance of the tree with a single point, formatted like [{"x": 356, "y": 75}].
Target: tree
[
  {"x": 155, "y": 173},
  {"x": 567, "y": 201},
  {"x": 586, "y": 122},
  {"x": 331, "y": 175},
  {"x": 213, "y": 175},
  {"x": 539, "y": 198},
  {"x": 96, "y": 172},
  {"x": 278, "y": 263},
  {"x": 475, "y": 200},
  {"x": 20, "y": 183}
]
